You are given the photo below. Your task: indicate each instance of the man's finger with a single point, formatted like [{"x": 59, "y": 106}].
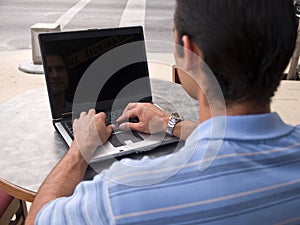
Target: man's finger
[
  {"x": 126, "y": 115},
  {"x": 92, "y": 111},
  {"x": 127, "y": 112},
  {"x": 129, "y": 126},
  {"x": 110, "y": 129},
  {"x": 100, "y": 117},
  {"x": 82, "y": 114}
]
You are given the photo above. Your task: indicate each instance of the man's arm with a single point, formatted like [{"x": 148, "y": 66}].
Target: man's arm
[
  {"x": 89, "y": 131},
  {"x": 184, "y": 128},
  {"x": 152, "y": 119},
  {"x": 60, "y": 182}
]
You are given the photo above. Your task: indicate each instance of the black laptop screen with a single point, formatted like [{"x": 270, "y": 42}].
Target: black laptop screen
[{"x": 68, "y": 55}]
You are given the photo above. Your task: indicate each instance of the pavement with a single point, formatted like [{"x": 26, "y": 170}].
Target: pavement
[{"x": 13, "y": 81}]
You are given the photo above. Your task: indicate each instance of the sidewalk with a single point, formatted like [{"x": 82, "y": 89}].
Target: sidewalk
[{"x": 13, "y": 82}]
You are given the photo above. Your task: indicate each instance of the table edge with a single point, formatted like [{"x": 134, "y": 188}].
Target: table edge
[{"x": 16, "y": 191}]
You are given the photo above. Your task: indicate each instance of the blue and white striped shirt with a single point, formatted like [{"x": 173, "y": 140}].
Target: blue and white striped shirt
[{"x": 248, "y": 173}]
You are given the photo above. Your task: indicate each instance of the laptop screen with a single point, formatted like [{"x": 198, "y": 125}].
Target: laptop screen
[{"x": 67, "y": 56}]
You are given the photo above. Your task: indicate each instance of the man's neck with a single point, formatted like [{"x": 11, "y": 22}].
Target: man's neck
[{"x": 246, "y": 108}]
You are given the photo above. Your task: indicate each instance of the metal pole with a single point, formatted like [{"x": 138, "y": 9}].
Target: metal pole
[{"x": 292, "y": 75}]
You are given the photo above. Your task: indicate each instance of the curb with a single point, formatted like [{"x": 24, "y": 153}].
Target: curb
[{"x": 29, "y": 67}]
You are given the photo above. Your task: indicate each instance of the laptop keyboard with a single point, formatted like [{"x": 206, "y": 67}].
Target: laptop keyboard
[
  {"x": 68, "y": 125},
  {"x": 111, "y": 118}
]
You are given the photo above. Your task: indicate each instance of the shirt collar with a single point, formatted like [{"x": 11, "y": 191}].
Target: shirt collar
[{"x": 246, "y": 127}]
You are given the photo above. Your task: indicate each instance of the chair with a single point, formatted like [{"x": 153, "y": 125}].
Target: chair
[
  {"x": 12, "y": 211},
  {"x": 175, "y": 76}
]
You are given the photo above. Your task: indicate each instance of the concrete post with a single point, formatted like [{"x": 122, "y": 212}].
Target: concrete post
[
  {"x": 293, "y": 72},
  {"x": 35, "y": 31}
]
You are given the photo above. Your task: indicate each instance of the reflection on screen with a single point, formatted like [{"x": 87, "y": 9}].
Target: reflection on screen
[{"x": 67, "y": 61}]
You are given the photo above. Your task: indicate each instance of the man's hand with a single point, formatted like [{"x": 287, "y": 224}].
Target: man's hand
[
  {"x": 90, "y": 131},
  {"x": 151, "y": 118}
]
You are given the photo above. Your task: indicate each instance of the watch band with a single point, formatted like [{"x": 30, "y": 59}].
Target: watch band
[{"x": 173, "y": 120}]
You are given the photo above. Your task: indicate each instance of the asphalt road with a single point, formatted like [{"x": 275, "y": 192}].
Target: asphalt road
[{"x": 17, "y": 16}]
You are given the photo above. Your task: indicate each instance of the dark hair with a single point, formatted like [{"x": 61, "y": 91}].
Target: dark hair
[{"x": 246, "y": 43}]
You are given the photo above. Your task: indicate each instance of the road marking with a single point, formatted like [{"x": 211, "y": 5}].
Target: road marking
[
  {"x": 4, "y": 44},
  {"x": 68, "y": 16},
  {"x": 134, "y": 13}
]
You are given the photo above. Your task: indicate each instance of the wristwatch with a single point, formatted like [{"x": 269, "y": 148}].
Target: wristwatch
[{"x": 173, "y": 119}]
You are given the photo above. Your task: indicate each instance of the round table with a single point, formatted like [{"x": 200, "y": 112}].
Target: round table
[{"x": 30, "y": 146}]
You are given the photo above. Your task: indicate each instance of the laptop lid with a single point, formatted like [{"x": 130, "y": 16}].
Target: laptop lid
[{"x": 68, "y": 55}]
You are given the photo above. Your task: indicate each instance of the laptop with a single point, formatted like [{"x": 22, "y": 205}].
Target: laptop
[{"x": 104, "y": 69}]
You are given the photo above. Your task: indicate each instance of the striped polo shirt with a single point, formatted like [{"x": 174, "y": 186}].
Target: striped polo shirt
[{"x": 232, "y": 170}]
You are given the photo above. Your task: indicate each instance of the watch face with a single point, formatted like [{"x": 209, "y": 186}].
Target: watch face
[{"x": 177, "y": 116}]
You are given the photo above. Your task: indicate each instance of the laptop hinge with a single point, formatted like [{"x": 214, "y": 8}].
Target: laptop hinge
[
  {"x": 63, "y": 116},
  {"x": 66, "y": 115},
  {"x": 57, "y": 120}
]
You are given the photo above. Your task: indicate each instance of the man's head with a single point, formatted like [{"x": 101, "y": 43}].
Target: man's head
[
  {"x": 58, "y": 75},
  {"x": 246, "y": 43}
]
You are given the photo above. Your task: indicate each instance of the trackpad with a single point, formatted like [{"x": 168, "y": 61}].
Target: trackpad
[{"x": 124, "y": 138}]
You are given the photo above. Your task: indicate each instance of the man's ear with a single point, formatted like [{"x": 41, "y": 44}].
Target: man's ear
[{"x": 192, "y": 53}]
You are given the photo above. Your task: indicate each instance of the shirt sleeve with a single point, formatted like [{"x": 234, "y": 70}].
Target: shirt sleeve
[{"x": 88, "y": 205}]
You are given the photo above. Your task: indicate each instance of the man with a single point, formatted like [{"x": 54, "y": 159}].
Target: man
[
  {"x": 253, "y": 175},
  {"x": 59, "y": 79}
]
